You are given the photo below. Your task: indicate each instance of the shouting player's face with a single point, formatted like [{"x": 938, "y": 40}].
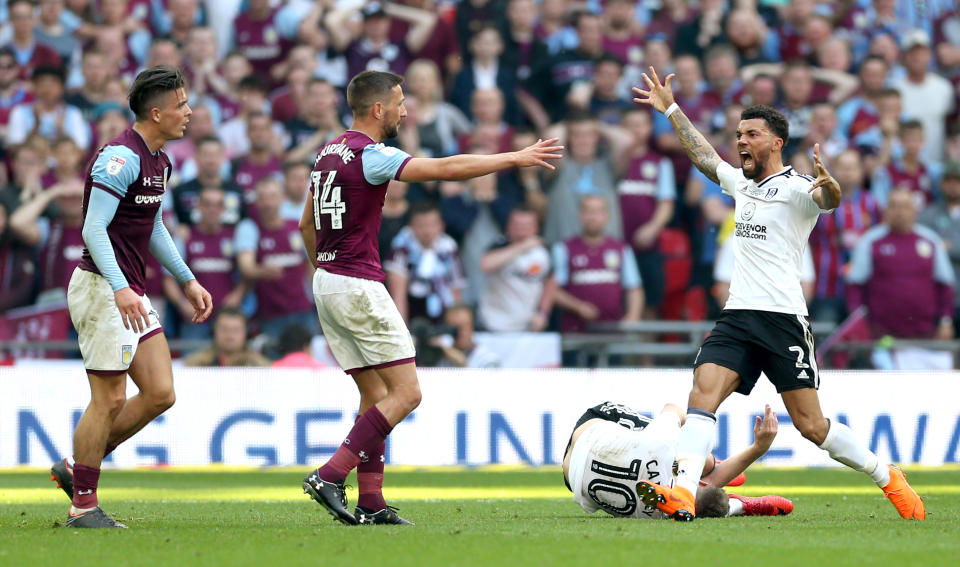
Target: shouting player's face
[
  {"x": 174, "y": 114},
  {"x": 755, "y": 143},
  {"x": 393, "y": 112}
]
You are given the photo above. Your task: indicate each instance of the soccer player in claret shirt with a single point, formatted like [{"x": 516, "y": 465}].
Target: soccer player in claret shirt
[
  {"x": 119, "y": 331},
  {"x": 764, "y": 326},
  {"x": 360, "y": 321}
]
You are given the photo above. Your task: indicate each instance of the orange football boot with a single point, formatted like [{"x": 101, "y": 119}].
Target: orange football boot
[
  {"x": 676, "y": 502},
  {"x": 906, "y": 500}
]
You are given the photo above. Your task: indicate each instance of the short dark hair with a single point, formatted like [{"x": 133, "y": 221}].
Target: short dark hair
[
  {"x": 254, "y": 82},
  {"x": 423, "y": 208},
  {"x": 775, "y": 120},
  {"x": 150, "y": 85},
  {"x": 870, "y": 58},
  {"x": 290, "y": 164},
  {"x": 606, "y": 57},
  {"x": 368, "y": 87},
  {"x": 912, "y": 124},
  {"x": 13, "y": 3},
  {"x": 230, "y": 312},
  {"x": 209, "y": 140},
  {"x": 294, "y": 337},
  {"x": 49, "y": 71},
  {"x": 712, "y": 502}
]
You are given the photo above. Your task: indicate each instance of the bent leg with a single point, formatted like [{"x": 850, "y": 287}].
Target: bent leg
[
  {"x": 152, "y": 372},
  {"x": 835, "y": 438}
]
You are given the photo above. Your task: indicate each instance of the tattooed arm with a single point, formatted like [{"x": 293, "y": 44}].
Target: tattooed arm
[{"x": 660, "y": 97}]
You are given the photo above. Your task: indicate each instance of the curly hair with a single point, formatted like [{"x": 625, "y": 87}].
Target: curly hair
[{"x": 775, "y": 120}]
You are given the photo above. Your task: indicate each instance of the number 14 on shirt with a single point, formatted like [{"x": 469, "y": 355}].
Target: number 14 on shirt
[{"x": 326, "y": 199}]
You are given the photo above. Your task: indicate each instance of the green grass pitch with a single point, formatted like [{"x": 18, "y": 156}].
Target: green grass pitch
[{"x": 467, "y": 517}]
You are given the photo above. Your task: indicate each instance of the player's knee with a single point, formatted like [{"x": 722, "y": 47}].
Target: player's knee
[
  {"x": 113, "y": 402},
  {"x": 412, "y": 397},
  {"x": 814, "y": 430},
  {"x": 162, "y": 400}
]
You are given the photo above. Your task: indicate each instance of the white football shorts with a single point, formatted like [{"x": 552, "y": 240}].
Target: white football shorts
[
  {"x": 361, "y": 322},
  {"x": 106, "y": 345}
]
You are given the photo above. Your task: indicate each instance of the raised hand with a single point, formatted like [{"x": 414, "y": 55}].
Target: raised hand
[
  {"x": 538, "y": 153},
  {"x": 659, "y": 95},
  {"x": 765, "y": 429},
  {"x": 831, "y": 193}
]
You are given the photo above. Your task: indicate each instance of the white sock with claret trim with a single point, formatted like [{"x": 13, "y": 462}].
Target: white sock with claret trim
[
  {"x": 844, "y": 448},
  {"x": 693, "y": 445}
]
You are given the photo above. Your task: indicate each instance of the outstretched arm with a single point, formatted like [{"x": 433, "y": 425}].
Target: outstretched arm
[
  {"x": 467, "y": 166},
  {"x": 660, "y": 97},
  {"x": 764, "y": 432}
]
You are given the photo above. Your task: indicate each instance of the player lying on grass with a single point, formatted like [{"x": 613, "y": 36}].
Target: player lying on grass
[{"x": 614, "y": 452}]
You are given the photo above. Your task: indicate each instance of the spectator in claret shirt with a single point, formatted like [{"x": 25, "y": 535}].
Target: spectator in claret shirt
[
  {"x": 597, "y": 277},
  {"x": 17, "y": 267},
  {"x": 901, "y": 165},
  {"x": 261, "y": 161},
  {"x": 257, "y": 38},
  {"x": 648, "y": 192},
  {"x": 57, "y": 236},
  {"x": 901, "y": 272},
  {"x": 30, "y": 54},
  {"x": 208, "y": 249},
  {"x": 859, "y": 113},
  {"x": 270, "y": 257}
]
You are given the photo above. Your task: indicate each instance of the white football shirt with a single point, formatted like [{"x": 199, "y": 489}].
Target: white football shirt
[
  {"x": 608, "y": 460},
  {"x": 773, "y": 222}
]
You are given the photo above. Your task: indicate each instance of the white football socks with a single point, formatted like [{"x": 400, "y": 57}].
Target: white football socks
[
  {"x": 693, "y": 445},
  {"x": 736, "y": 508},
  {"x": 844, "y": 448}
]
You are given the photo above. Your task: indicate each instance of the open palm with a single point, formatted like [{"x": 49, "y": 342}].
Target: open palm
[{"x": 659, "y": 95}]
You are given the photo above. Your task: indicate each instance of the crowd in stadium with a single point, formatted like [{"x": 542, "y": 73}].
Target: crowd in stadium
[{"x": 624, "y": 230}]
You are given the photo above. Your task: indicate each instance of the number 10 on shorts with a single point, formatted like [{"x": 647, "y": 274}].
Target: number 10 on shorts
[{"x": 326, "y": 200}]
